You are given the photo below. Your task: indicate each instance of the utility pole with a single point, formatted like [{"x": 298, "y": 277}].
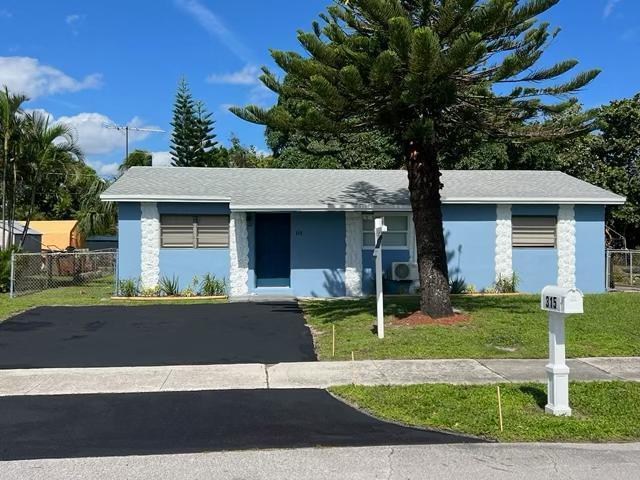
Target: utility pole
[{"x": 126, "y": 129}]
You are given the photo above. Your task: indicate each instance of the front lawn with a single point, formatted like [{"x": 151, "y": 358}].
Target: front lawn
[
  {"x": 602, "y": 411},
  {"x": 500, "y": 327}
]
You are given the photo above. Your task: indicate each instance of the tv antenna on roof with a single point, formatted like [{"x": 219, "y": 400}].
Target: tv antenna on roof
[{"x": 126, "y": 129}]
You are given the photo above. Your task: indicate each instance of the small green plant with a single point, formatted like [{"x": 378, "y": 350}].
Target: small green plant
[
  {"x": 470, "y": 289},
  {"x": 507, "y": 284},
  {"x": 170, "y": 287},
  {"x": 457, "y": 285},
  {"x": 212, "y": 286},
  {"x": 129, "y": 287},
  {"x": 150, "y": 291},
  {"x": 192, "y": 289}
]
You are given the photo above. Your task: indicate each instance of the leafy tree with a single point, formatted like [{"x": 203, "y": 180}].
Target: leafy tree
[
  {"x": 192, "y": 141},
  {"x": 45, "y": 149},
  {"x": 424, "y": 72},
  {"x": 610, "y": 158},
  {"x": 241, "y": 156},
  {"x": 137, "y": 158},
  {"x": 11, "y": 118},
  {"x": 364, "y": 150},
  {"x": 94, "y": 216}
]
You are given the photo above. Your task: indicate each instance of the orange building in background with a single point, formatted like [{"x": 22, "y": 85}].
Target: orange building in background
[{"x": 58, "y": 234}]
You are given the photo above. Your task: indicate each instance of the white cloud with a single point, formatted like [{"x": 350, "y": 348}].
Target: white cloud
[
  {"x": 30, "y": 77},
  {"x": 5, "y": 13},
  {"x": 91, "y": 135},
  {"x": 73, "y": 18},
  {"x": 248, "y": 75},
  {"x": 161, "y": 159},
  {"x": 74, "y": 21},
  {"x": 609, "y": 7},
  {"x": 104, "y": 169},
  {"x": 215, "y": 26}
]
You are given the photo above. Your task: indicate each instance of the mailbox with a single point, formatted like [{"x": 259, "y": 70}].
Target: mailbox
[{"x": 561, "y": 300}]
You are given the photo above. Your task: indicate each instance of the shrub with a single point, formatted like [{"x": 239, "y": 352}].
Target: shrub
[
  {"x": 170, "y": 286},
  {"x": 129, "y": 287},
  {"x": 470, "y": 289},
  {"x": 212, "y": 286},
  {"x": 5, "y": 268},
  {"x": 150, "y": 291},
  {"x": 506, "y": 284},
  {"x": 457, "y": 285},
  {"x": 192, "y": 289}
]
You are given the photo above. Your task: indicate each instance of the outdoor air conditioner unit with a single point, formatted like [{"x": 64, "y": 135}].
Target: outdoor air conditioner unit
[{"x": 403, "y": 271}]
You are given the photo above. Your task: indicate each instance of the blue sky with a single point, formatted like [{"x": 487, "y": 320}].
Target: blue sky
[{"x": 90, "y": 62}]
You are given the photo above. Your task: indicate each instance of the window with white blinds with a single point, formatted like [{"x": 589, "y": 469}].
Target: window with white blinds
[
  {"x": 396, "y": 236},
  {"x": 532, "y": 231},
  {"x": 194, "y": 231}
]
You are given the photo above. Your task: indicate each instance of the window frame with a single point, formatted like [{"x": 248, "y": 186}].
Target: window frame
[
  {"x": 407, "y": 232},
  {"x": 195, "y": 222},
  {"x": 545, "y": 247}
]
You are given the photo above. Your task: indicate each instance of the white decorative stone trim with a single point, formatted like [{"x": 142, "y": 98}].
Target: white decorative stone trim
[
  {"x": 150, "y": 248},
  {"x": 238, "y": 254},
  {"x": 353, "y": 254},
  {"x": 566, "y": 238},
  {"x": 504, "y": 248}
]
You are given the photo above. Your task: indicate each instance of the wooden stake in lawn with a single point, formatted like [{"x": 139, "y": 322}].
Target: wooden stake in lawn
[
  {"x": 500, "y": 409},
  {"x": 333, "y": 340}
]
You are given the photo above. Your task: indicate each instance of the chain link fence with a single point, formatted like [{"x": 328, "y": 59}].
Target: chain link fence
[
  {"x": 623, "y": 269},
  {"x": 95, "y": 271}
]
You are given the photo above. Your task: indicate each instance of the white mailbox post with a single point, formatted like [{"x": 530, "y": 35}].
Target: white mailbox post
[
  {"x": 379, "y": 229},
  {"x": 558, "y": 302}
]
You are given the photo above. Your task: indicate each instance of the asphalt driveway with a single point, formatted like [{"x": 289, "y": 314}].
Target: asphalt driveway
[
  {"x": 116, "y": 336},
  {"x": 63, "y": 426}
]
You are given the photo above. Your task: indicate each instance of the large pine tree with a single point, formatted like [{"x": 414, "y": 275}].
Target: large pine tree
[
  {"x": 424, "y": 72},
  {"x": 193, "y": 140}
]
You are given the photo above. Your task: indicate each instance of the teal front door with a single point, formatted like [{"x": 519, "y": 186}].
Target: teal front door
[{"x": 273, "y": 249}]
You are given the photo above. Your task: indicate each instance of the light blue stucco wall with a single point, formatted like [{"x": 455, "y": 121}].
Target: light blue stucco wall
[
  {"x": 129, "y": 241},
  {"x": 470, "y": 237},
  {"x": 318, "y": 254},
  {"x": 535, "y": 267},
  {"x": 318, "y": 250},
  {"x": 388, "y": 257},
  {"x": 590, "y": 248},
  {"x": 185, "y": 263}
]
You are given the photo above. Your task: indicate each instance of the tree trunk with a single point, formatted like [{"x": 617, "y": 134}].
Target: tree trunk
[{"x": 424, "y": 189}]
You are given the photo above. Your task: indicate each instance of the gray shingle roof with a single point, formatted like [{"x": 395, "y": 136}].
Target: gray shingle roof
[
  {"x": 18, "y": 228},
  {"x": 264, "y": 189}
]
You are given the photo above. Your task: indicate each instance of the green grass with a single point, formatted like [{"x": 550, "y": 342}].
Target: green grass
[
  {"x": 95, "y": 293},
  {"x": 500, "y": 327},
  {"x": 602, "y": 411}
]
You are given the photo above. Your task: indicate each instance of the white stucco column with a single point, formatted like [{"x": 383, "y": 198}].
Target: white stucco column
[
  {"x": 238, "y": 254},
  {"x": 150, "y": 248},
  {"x": 566, "y": 238},
  {"x": 353, "y": 254},
  {"x": 504, "y": 246}
]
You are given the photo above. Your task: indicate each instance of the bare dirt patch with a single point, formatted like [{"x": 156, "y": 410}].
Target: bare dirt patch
[{"x": 419, "y": 318}]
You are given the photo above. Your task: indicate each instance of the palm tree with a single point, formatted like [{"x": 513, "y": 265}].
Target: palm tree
[
  {"x": 11, "y": 119},
  {"x": 45, "y": 147},
  {"x": 95, "y": 216},
  {"x": 137, "y": 158}
]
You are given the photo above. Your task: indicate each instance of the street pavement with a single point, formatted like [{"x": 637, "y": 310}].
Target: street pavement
[
  {"x": 63, "y": 426},
  {"x": 294, "y": 375},
  {"x": 413, "y": 462}
]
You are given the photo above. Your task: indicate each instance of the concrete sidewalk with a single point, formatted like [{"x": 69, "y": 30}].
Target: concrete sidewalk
[{"x": 59, "y": 381}]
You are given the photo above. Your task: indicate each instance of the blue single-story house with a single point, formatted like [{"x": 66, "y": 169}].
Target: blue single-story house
[{"x": 310, "y": 232}]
